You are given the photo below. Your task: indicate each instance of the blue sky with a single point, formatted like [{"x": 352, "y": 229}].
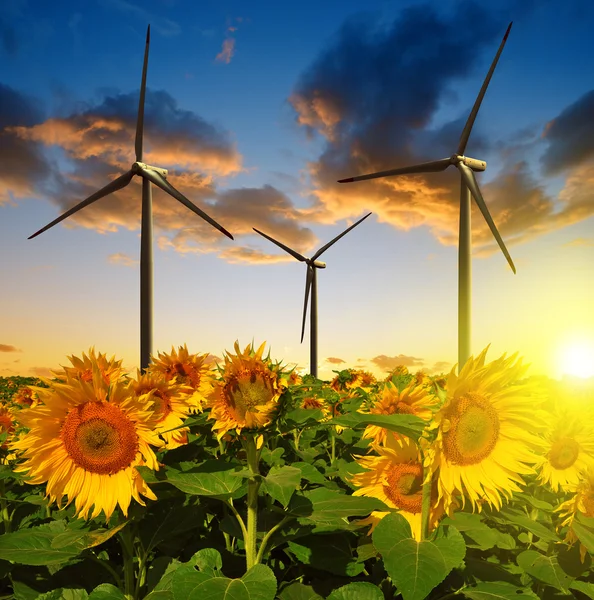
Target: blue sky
[{"x": 257, "y": 108}]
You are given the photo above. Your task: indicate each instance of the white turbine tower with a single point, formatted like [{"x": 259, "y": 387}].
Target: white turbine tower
[
  {"x": 311, "y": 284},
  {"x": 149, "y": 174},
  {"x": 468, "y": 187}
]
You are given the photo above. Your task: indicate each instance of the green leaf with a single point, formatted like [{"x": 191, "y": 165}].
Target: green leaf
[
  {"x": 472, "y": 526},
  {"x": 309, "y": 473},
  {"x": 417, "y": 567},
  {"x": 332, "y": 553},
  {"x": 165, "y": 523},
  {"x": 545, "y": 569},
  {"x": 51, "y": 543},
  {"x": 497, "y": 590},
  {"x": 357, "y": 590},
  {"x": 208, "y": 560},
  {"x": 213, "y": 478},
  {"x": 259, "y": 583},
  {"x": 65, "y": 594},
  {"x": 299, "y": 591},
  {"x": 328, "y": 509},
  {"x": 408, "y": 425},
  {"x": 281, "y": 483},
  {"x": 585, "y": 588},
  {"x": 584, "y": 529},
  {"x": 106, "y": 591},
  {"x": 533, "y": 526}
]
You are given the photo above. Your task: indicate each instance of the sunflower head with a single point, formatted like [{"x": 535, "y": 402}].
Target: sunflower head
[
  {"x": 410, "y": 400},
  {"x": 569, "y": 450},
  {"x": 172, "y": 403},
  {"x": 7, "y": 427},
  {"x": 488, "y": 431},
  {"x": 82, "y": 368},
  {"x": 582, "y": 503},
  {"x": 25, "y": 397},
  {"x": 397, "y": 371},
  {"x": 246, "y": 396},
  {"x": 191, "y": 370},
  {"x": 395, "y": 476},
  {"x": 85, "y": 439}
]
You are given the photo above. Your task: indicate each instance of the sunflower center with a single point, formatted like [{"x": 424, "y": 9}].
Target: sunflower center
[
  {"x": 564, "y": 453},
  {"x": 99, "y": 438},
  {"x": 473, "y": 431},
  {"x": 162, "y": 405},
  {"x": 404, "y": 486},
  {"x": 312, "y": 403},
  {"x": 246, "y": 391}
]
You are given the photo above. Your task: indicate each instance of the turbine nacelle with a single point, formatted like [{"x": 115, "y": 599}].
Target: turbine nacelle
[
  {"x": 471, "y": 163},
  {"x": 318, "y": 264},
  {"x": 138, "y": 166}
]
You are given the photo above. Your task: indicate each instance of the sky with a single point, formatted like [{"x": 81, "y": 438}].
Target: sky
[{"x": 257, "y": 109}]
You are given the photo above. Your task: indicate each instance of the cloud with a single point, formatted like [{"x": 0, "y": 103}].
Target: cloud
[
  {"x": 442, "y": 366},
  {"x": 570, "y": 136},
  {"x": 226, "y": 52},
  {"x": 371, "y": 95},
  {"x": 24, "y": 167},
  {"x": 122, "y": 259},
  {"x": 98, "y": 141},
  {"x": 387, "y": 363},
  {"x": 8, "y": 348},
  {"x": 228, "y": 49},
  {"x": 41, "y": 372},
  {"x": 335, "y": 361},
  {"x": 581, "y": 242}
]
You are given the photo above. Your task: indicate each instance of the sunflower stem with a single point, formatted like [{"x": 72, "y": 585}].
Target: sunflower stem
[
  {"x": 426, "y": 502},
  {"x": 4, "y": 507},
  {"x": 128, "y": 555},
  {"x": 267, "y": 537},
  {"x": 254, "y": 482}
]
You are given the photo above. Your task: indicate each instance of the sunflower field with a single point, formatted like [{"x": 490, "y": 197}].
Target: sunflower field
[{"x": 244, "y": 481}]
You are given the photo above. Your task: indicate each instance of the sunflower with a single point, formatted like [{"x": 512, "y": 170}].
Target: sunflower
[
  {"x": 191, "y": 370},
  {"x": 582, "y": 503},
  {"x": 247, "y": 396},
  {"x": 85, "y": 441},
  {"x": 487, "y": 432},
  {"x": 7, "y": 426},
  {"x": 111, "y": 370},
  {"x": 412, "y": 400},
  {"x": 570, "y": 450},
  {"x": 171, "y": 404},
  {"x": 350, "y": 379},
  {"x": 396, "y": 478},
  {"x": 25, "y": 397},
  {"x": 397, "y": 371}
]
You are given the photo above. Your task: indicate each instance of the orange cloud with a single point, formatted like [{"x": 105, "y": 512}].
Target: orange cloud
[
  {"x": 335, "y": 361},
  {"x": 387, "y": 363},
  {"x": 581, "y": 242},
  {"x": 122, "y": 259},
  {"x": 8, "y": 348},
  {"x": 227, "y": 51}
]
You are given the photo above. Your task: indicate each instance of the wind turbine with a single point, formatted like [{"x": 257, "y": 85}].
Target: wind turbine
[
  {"x": 468, "y": 186},
  {"x": 311, "y": 284},
  {"x": 149, "y": 174}
]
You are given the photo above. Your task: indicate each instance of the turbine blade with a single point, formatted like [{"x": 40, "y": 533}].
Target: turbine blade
[
  {"x": 433, "y": 166},
  {"x": 117, "y": 184},
  {"x": 308, "y": 280},
  {"x": 470, "y": 181},
  {"x": 281, "y": 245},
  {"x": 140, "y": 120},
  {"x": 471, "y": 118},
  {"x": 161, "y": 182},
  {"x": 324, "y": 248}
]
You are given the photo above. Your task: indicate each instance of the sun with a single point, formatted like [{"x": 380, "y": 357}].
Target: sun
[{"x": 578, "y": 359}]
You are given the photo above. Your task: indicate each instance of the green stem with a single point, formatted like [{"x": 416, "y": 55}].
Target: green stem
[
  {"x": 108, "y": 567},
  {"x": 128, "y": 554},
  {"x": 239, "y": 519},
  {"x": 4, "y": 508},
  {"x": 426, "y": 502},
  {"x": 333, "y": 446},
  {"x": 252, "y": 502},
  {"x": 267, "y": 537},
  {"x": 141, "y": 580}
]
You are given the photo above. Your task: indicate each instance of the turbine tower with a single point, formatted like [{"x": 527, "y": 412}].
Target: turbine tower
[
  {"x": 468, "y": 187},
  {"x": 311, "y": 284},
  {"x": 149, "y": 174}
]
